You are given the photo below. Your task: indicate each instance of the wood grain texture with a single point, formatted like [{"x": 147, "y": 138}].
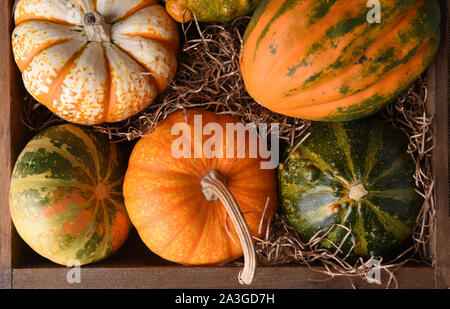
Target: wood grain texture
[
  {"x": 439, "y": 79},
  {"x": 13, "y": 136},
  {"x": 5, "y": 147},
  {"x": 179, "y": 277}
]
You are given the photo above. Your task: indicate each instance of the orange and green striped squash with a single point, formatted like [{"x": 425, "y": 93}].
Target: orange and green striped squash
[
  {"x": 66, "y": 197},
  {"x": 324, "y": 60},
  {"x": 164, "y": 198}
]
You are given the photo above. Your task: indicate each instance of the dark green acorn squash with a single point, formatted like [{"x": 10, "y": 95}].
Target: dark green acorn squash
[{"x": 356, "y": 174}]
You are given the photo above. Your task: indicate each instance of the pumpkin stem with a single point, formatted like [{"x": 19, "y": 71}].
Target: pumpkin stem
[
  {"x": 357, "y": 192},
  {"x": 214, "y": 188},
  {"x": 96, "y": 28}
]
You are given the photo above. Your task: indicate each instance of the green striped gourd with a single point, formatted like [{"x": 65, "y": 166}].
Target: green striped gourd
[{"x": 66, "y": 195}]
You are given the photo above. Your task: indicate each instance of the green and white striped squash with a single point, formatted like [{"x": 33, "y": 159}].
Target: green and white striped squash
[{"x": 66, "y": 195}]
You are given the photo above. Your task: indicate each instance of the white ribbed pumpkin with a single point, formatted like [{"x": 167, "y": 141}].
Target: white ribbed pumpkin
[{"x": 94, "y": 61}]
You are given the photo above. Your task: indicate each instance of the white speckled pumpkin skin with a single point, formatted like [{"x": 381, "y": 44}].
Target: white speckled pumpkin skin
[{"x": 89, "y": 82}]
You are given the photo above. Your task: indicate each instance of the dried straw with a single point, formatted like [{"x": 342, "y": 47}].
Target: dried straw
[{"x": 209, "y": 78}]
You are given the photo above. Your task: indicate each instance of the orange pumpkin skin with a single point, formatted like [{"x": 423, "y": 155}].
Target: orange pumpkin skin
[
  {"x": 164, "y": 199},
  {"x": 324, "y": 61}
]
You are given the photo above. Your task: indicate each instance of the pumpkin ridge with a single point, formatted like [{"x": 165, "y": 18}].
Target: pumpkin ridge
[
  {"x": 109, "y": 176},
  {"x": 107, "y": 226},
  {"x": 73, "y": 247},
  {"x": 25, "y": 63},
  {"x": 255, "y": 18},
  {"x": 20, "y": 183},
  {"x": 40, "y": 18},
  {"x": 90, "y": 231},
  {"x": 325, "y": 211},
  {"x": 321, "y": 165},
  {"x": 151, "y": 77},
  {"x": 361, "y": 248},
  {"x": 160, "y": 81},
  {"x": 108, "y": 85},
  {"x": 349, "y": 208},
  {"x": 398, "y": 194},
  {"x": 381, "y": 36},
  {"x": 76, "y": 142},
  {"x": 55, "y": 88},
  {"x": 306, "y": 47},
  {"x": 350, "y": 65},
  {"x": 323, "y": 38},
  {"x": 73, "y": 160},
  {"x": 341, "y": 78},
  {"x": 387, "y": 172},
  {"x": 342, "y": 142},
  {"x": 286, "y": 6},
  {"x": 90, "y": 145},
  {"x": 61, "y": 152},
  {"x": 197, "y": 241},
  {"x": 167, "y": 43},
  {"x": 378, "y": 85},
  {"x": 389, "y": 222},
  {"x": 174, "y": 235},
  {"x": 142, "y": 5},
  {"x": 375, "y": 145},
  {"x": 157, "y": 168}
]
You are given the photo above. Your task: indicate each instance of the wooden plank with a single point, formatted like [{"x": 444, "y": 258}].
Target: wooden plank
[
  {"x": 440, "y": 157},
  {"x": 13, "y": 136},
  {"x": 180, "y": 277},
  {"x": 5, "y": 146}
]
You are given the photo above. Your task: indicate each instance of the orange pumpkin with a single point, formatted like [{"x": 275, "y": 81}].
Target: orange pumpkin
[
  {"x": 165, "y": 200},
  {"x": 98, "y": 61},
  {"x": 329, "y": 61}
]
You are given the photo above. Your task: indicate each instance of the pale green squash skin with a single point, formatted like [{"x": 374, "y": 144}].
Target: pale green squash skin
[
  {"x": 56, "y": 203},
  {"x": 315, "y": 182}
]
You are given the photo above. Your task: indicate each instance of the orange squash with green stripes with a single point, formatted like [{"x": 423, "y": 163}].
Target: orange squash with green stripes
[
  {"x": 66, "y": 195},
  {"x": 324, "y": 60},
  {"x": 356, "y": 176}
]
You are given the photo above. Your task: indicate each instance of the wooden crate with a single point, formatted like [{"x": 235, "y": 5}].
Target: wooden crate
[{"x": 134, "y": 266}]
